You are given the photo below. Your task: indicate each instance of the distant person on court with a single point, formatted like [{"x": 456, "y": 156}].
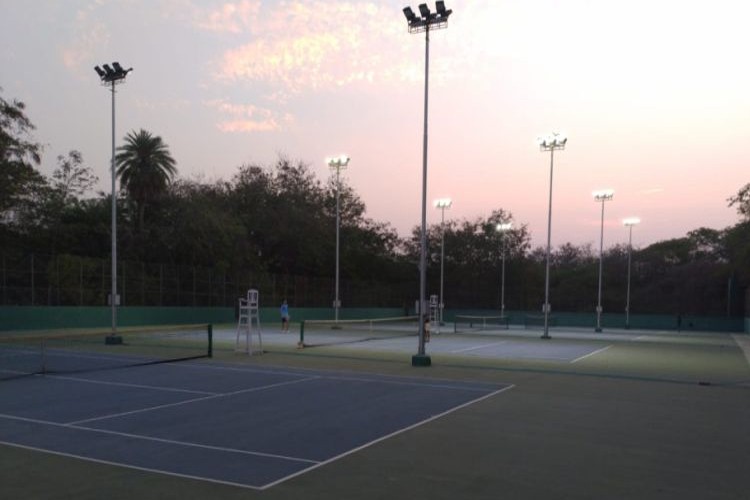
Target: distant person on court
[
  {"x": 284, "y": 316},
  {"x": 426, "y": 328}
]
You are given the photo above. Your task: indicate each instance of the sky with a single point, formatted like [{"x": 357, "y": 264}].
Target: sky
[{"x": 653, "y": 96}]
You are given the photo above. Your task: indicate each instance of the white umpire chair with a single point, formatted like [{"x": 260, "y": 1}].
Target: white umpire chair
[{"x": 249, "y": 325}]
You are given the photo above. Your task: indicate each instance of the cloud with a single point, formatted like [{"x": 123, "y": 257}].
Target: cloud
[
  {"x": 231, "y": 17},
  {"x": 302, "y": 46},
  {"x": 90, "y": 37},
  {"x": 246, "y": 117}
]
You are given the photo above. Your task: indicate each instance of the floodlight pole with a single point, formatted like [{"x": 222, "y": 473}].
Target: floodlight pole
[
  {"x": 110, "y": 77},
  {"x": 601, "y": 197},
  {"x": 417, "y": 24},
  {"x": 337, "y": 164},
  {"x": 442, "y": 204},
  {"x": 549, "y": 143},
  {"x": 503, "y": 227},
  {"x": 629, "y": 223}
]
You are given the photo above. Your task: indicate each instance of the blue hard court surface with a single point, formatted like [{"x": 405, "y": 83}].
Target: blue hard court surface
[{"x": 251, "y": 427}]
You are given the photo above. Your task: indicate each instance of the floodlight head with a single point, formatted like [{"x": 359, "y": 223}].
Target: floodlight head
[
  {"x": 108, "y": 69},
  {"x": 552, "y": 141},
  {"x": 117, "y": 67},
  {"x": 631, "y": 221},
  {"x": 603, "y": 194},
  {"x": 100, "y": 72},
  {"x": 504, "y": 226},
  {"x": 410, "y": 15},
  {"x": 443, "y": 203},
  {"x": 338, "y": 162},
  {"x": 441, "y": 10},
  {"x": 424, "y": 10}
]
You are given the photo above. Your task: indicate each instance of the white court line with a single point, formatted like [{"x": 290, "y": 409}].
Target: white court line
[
  {"x": 744, "y": 344},
  {"x": 590, "y": 354},
  {"x": 159, "y": 440},
  {"x": 136, "y": 386},
  {"x": 205, "y": 398},
  {"x": 478, "y": 347},
  {"x": 383, "y": 438},
  {"x": 416, "y": 383},
  {"x": 128, "y": 466}
]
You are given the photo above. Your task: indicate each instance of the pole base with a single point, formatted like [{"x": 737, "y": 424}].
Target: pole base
[
  {"x": 113, "y": 340},
  {"x": 421, "y": 360},
  {"x": 598, "y": 330},
  {"x": 545, "y": 337}
]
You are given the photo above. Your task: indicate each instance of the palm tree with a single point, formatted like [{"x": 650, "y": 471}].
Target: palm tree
[{"x": 145, "y": 168}]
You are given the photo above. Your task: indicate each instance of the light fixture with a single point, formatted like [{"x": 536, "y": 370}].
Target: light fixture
[
  {"x": 552, "y": 142},
  {"x": 337, "y": 163},
  {"x": 502, "y": 228},
  {"x": 443, "y": 204},
  {"x": 110, "y": 77},
  {"x": 425, "y": 23},
  {"x": 629, "y": 222},
  {"x": 601, "y": 196}
]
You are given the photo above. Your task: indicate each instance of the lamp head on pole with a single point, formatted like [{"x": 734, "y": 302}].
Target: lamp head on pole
[
  {"x": 427, "y": 20},
  {"x": 552, "y": 141},
  {"x": 109, "y": 75},
  {"x": 631, "y": 221},
  {"x": 338, "y": 162},
  {"x": 504, "y": 226},
  {"x": 443, "y": 203},
  {"x": 603, "y": 195}
]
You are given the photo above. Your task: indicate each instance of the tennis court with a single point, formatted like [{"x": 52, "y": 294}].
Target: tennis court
[
  {"x": 617, "y": 414},
  {"x": 242, "y": 426}
]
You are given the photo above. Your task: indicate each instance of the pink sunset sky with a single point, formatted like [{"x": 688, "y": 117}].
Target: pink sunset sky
[{"x": 653, "y": 96}]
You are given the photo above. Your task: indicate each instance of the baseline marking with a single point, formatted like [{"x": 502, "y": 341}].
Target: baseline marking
[
  {"x": 478, "y": 347},
  {"x": 160, "y": 440},
  {"x": 129, "y": 466},
  {"x": 590, "y": 354}
]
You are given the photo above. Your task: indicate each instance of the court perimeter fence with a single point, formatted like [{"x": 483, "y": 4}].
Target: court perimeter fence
[
  {"x": 64, "y": 291},
  {"x": 54, "y": 317}
]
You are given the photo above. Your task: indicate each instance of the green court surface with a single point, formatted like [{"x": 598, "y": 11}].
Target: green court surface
[{"x": 590, "y": 416}]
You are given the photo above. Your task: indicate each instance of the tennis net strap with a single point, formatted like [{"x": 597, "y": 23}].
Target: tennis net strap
[{"x": 50, "y": 353}]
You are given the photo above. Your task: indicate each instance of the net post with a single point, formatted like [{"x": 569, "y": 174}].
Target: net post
[
  {"x": 43, "y": 347},
  {"x": 210, "y": 340},
  {"x": 301, "y": 342}
]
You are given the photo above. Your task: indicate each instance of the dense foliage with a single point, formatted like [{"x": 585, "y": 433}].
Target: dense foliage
[{"x": 200, "y": 242}]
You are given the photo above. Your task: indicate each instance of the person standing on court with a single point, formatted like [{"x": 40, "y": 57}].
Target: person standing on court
[{"x": 284, "y": 316}]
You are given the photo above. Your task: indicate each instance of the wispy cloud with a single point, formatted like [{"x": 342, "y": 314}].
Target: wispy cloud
[
  {"x": 231, "y": 17},
  {"x": 90, "y": 35},
  {"x": 246, "y": 117},
  {"x": 303, "y": 46}
]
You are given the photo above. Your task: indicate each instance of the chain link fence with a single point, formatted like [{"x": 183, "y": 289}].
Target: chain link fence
[{"x": 67, "y": 280}]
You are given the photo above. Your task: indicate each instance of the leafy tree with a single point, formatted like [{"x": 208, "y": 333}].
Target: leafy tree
[
  {"x": 145, "y": 168},
  {"x": 742, "y": 200},
  {"x": 19, "y": 155}
]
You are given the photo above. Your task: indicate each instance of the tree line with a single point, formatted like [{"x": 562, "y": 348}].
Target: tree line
[{"x": 277, "y": 222}]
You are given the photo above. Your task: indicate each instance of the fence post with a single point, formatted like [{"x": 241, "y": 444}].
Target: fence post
[
  {"x": 161, "y": 282},
  {"x": 32, "y": 279},
  {"x": 124, "y": 284}
]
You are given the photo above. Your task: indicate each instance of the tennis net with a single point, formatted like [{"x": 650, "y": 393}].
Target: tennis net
[
  {"x": 331, "y": 332},
  {"x": 23, "y": 355},
  {"x": 467, "y": 323}
]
